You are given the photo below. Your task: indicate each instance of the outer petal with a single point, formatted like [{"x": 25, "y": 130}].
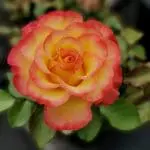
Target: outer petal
[
  {"x": 107, "y": 76},
  {"x": 53, "y": 97},
  {"x": 59, "y": 20},
  {"x": 29, "y": 44},
  {"x": 94, "y": 45},
  {"x": 110, "y": 97},
  {"x": 73, "y": 115},
  {"x": 104, "y": 30},
  {"x": 95, "y": 50},
  {"x": 76, "y": 29},
  {"x": 17, "y": 60},
  {"x": 104, "y": 77},
  {"x": 29, "y": 28}
]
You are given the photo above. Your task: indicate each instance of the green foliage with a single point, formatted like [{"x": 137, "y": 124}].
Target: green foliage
[
  {"x": 92, "y": 129},
  {"x": 39, "y": 130},
  {"x": 12, "y": 90},
  {"x": 20, "y": 113},
  {"x": 114, "y": 22},
  {"x": 138, "y": 51},
  {"x": 139, "y": 76},
  {"x": 6, "y": 101},
  {"x": 121, "y": 115},
  {"x": 131, "y": 35},
  {"x": 144, "y": 111},
  {"x": 123, "y": 47}
]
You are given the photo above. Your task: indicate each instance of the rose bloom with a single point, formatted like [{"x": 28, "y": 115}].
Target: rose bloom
[{"x": 67, "y": 65}]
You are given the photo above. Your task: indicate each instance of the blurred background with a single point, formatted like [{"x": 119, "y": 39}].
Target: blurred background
[{"x": 129, "y": 20}]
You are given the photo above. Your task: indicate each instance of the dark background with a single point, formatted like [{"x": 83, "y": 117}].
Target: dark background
[{"x": 133, "y": 12}]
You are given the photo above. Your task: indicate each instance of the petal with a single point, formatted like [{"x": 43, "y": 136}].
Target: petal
[
  {"x": 91, "y": 65},
  {"x": 94, "y": 45},
  {"x": 20, "y": 68},
  {"x": 41, "y": 59},
  {"x": 29, "y": 44},
  {"x": 110, "y": 97},
  {"x": 41, "y": 79},
  {"x": 53, "y": 97},
  {"x": 16, "y": 58},
  {"x": 76, "y": 29},
  {"x": 51, "y": 40},
  {"x": 20, "y": 83},
  {"x": 84, "y": 87},
  {"x": 74, "y": 77},
  {"x": 107, "y": 76},
  {"x": 73, "y": 115},
  {"x": 70, "y": 43},
  {"x": 114, "y": 53},
  {"x": 104, "y": 77},
  {"x": 59, "y": 20},
  {"x": 104, "y": 30},
  {"x": 118, "y": 77},
  {"x": 29, "y": 28}
]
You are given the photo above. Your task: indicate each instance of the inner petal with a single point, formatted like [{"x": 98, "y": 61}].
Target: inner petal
[{"x": 67, "y": 62}]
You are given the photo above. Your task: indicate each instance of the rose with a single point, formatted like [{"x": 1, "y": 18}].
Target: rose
[{"x": 67, "y": 65}]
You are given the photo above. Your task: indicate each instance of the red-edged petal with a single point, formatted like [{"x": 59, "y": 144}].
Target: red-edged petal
[
  {"x": 104, "y": 30},
  {"x": 94, "y": 45},
  {"x": 73, "y": 115},
  {"x": 20, "y": 68},
  {"x": 59, "y": 20},
  {"x": 50, "y": 97},
  {"x": 110, "y": 97},
  {"x": 29, "y": 44},
  {"x": 76, "y": 29},
  {"x": 107, "y": 75},
  {"x": 104, "y": 77},
  {"x": 20, "y": 83},
  {"x": 29, "y": 28}
]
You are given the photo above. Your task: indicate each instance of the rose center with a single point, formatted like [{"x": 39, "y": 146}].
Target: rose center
[
  {"x": 69, "y": 59},
  {"x": 66, "y": 59}
]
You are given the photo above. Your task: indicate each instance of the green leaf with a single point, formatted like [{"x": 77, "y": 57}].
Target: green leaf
[
  {"x": 131, "y": 35},
  {"x": 132, "y": 64},
  {"x": 139, "y": 76},
  {"x": 121, "y": 115},
  {"x": 41, "y": 133},
  {"x": 9, "y": 76},
  {"x": 113, "y": 22},
  {"x": 144, "y": 111},
  {"x": 92, "y": 129},
  {"x": 12, "y": 90},
  {"x": 138, "y": 51},
  {"x": 123, "y": 47},
  {"x": 20, "y": 113},
  {"x": 6, "y": 101}
]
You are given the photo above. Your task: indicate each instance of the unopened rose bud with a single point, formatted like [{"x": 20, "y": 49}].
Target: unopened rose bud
[{"x": 90, "y": 5}]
